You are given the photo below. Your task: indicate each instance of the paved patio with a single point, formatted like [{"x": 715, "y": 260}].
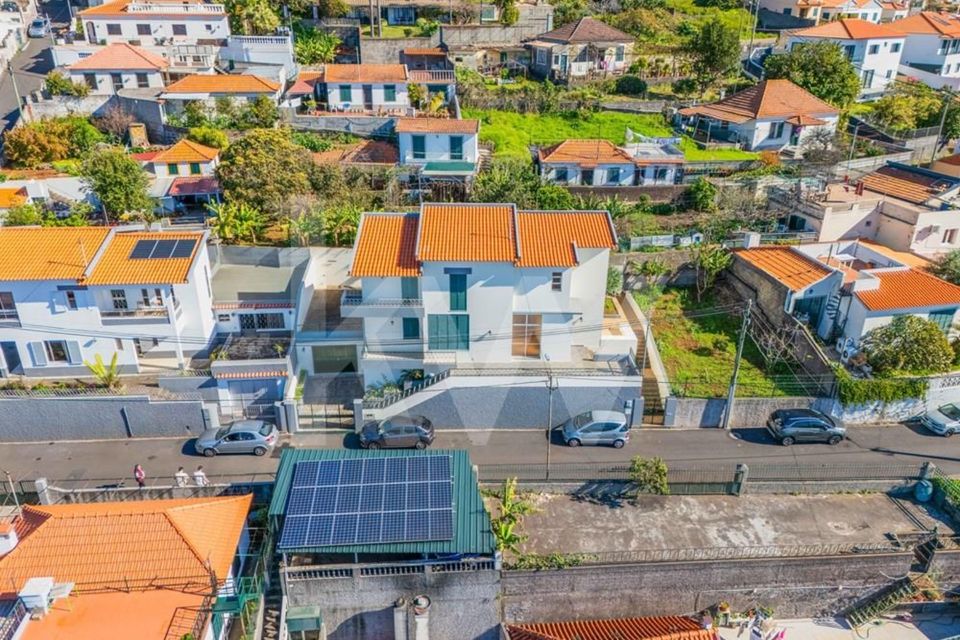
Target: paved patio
[{"x": 921, "y": 627}]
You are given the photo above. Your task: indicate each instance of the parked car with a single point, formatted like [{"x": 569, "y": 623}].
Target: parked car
[
  {"x": 803, "y": 425},
  {"x": 12, "y": 7},
  {"x": 944, "y": 420},
  {"x": 39, "y": 28},
  {"x": 244, "y": 436},
  {"x": 597, "y": 427},
  {"x": 397, "y": 433}
]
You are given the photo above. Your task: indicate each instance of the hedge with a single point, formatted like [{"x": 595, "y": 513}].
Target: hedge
[{"x": 854, "y": 391}]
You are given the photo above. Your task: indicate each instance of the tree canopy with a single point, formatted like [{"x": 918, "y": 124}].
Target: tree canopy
[
  {"x": 118, "y": 181},
  {"x": 50, "y": 140},
  {"x": 263, "y": 169},
  {"x": 947, "y": 267},
  {"x": 715, "y": 51},
  {"x": 909, "y": 344},
  {"x": 822, "y": 68}
]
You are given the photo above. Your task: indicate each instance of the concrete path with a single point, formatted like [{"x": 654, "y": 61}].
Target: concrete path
[{"x": 923, "y": 627}]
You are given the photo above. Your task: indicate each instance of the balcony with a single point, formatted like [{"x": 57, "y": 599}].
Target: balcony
[
  {"x": 353, "y": 305},
  {"x": 421, "y": 76},
  {"x": 149, "y": 7},
  {"x": 140, "y": 315},
  {"x": 9, "y": 318}
]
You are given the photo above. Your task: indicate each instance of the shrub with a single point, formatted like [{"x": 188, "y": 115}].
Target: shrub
[
  {"x": 630, "y": 86},
  {"x": 209, "y": 137},
  {"x": 856, "y": 391},
  {"x": 614, "y": 281},
  {"x": 49, "y": 140},
  {"x": 910, "y": 344},
  {"x": 702, "y": 195},
  {"x": 310, "y": 140},
  {"x": 58, "y": 84}
]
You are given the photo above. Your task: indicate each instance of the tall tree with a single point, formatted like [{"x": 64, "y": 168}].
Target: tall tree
[
  {"x": 715, "y": 51},
  {"x": 822, "y": 68},
  {"x": 118, "y": 181},
  {"x": 263, "y": 169},
  {"x": 252, "y": 17}
]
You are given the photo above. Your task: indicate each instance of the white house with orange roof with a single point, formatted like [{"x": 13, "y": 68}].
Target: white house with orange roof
[
  {"x": 468, "y": 285},
  {"x": 70, "y": 294},
  {"x": 600, "y": 163},
  {"x": 931, "y": 52},
  {"x": 771, "y": 115},
  {"x": 894, "y": 11},
  {"x": 439, "y": 147},
  {"x": 845, "y": 289},
  {"x": 364, "y": 87},
  {"x": 119, "y": 66},
  {"x": 155, "y": 22},
  {"x": 207, "y": 88},
  {"x": 147, "y": 568},
  {"x": 869, "y": 10},
  {"x": 184, "y": 158},
  {"x": 873, "y": 49}
]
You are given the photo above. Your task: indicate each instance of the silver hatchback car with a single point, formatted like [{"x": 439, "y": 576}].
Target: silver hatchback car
[
  {"x": 597, "y": 427},
  {"x": 244, "y": 436}
]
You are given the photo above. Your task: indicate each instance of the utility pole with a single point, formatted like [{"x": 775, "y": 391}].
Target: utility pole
[
  {"x": 853, "y": 147},
  {"x": 552, "y": 384},
  {"x": 13, "y": 492},
  {"x": 736, "y": 365},
  {"x": 947, "y": 101},
  {"x": 16, "y": 91}
]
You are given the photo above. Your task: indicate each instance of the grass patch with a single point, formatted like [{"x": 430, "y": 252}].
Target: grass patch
[
  {"x": 512, "y": 134},
  {"x": 698, "y": 352},
  {"x": 395, "y": 31}
]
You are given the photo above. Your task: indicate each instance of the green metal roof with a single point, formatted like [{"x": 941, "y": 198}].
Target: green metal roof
[
  {"x": 450, "y": 167},
  {"x": 471, "y": 523}
]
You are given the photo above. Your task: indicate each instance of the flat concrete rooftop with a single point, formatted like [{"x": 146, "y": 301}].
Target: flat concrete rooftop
[
  {"x": 256, "y": 283},
  {"x": 568, "y": 524}
]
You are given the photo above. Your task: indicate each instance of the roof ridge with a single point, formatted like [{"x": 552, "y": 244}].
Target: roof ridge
[{"x": 206, "y": 563}]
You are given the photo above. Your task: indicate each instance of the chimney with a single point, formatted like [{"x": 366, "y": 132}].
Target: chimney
[
  {"x": 751, "y": 240},
  {"x": 421, "y": 618},
  {"x": 8, "y": 538}
]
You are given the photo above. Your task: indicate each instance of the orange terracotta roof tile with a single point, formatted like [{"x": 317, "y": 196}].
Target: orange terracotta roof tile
[
  {"x": 653, "y": 628},
  {"x": 791, "y": 268},
  {"x": 193, "y": 185},
  {"x": 908, "y": 288},
  {"x": 436, "y": 125},
  {"x": 953, "y": 160},
  {"x": 585, "y": 153},
  {"x": 48, "y": 253},
  {"x": 928, "y": 22},
  {"x": 12, "y": 197},
  {"x": 237, "y": 83},
  {"x": 115, "y": 265},
  {"x": 386, "y": 246},
  {"x": 121, "y": 57},
  {"x": 551, "y": 239},
  {"x": 911, "y": 186},
  {"x": 766, "y": 99},
  {"x": 848, "y": 29},
  {"x": 805, "y": 121},
  {"x": 148, "y": 543},
  {"x": 424, "y": 52},
  {"x": 467, "y": 233},
  {"x": 306, "y": 83},
  {"x": 365, "y": 73},
  {"x": 187, "y": 151},
  {"x": 171, "y": 8}
]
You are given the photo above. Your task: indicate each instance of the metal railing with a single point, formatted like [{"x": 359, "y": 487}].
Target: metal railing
[
  {"x": 380, "y": 403},
  {"x": 337, "y": 572},
  {"x": 139, "y": 312},
  {"x": 354, "y": 300},
  {"x": 419, "y": 75},
  {"x": 10, "y": 623},
  {"x": 149, "y": 7}
]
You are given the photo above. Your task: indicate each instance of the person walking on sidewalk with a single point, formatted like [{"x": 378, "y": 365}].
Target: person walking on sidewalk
[
  {"x": 140, "y": 476},
  {"x": 181, "y": 477},
  {"x": 199, "y": 477}
]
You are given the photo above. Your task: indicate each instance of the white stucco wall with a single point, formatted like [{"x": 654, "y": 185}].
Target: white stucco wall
[
  {"x": 200, "y": 26},
  {"x": 437, "y": 147},
  {"x": 401, "y": 101},
  {"x": 104, "y": 80},
  {"x": 162, "y": 169}
]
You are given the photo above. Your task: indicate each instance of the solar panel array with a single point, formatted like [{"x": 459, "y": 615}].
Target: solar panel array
[
  {"x": 154, "y": 249},
  {"x": 369, "y": 501}
]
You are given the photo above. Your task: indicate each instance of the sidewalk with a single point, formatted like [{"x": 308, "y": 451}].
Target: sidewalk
[{"x": 924, "y": 627}]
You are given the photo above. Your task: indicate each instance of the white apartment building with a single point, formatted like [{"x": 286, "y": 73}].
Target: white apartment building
[
  {"x": 155, "y": 22},
  {"x": 478, "y": 285},
  {"x": 439, "y": 146},
  {"x": 119, "y": 66},
  {"x": 873, "y": 49},
  {"x": 931, "y": 52},
  {"x": 70, "y": 294}
]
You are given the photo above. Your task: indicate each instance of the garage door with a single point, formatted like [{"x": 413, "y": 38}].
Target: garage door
[{"x": 335, "y": 359}]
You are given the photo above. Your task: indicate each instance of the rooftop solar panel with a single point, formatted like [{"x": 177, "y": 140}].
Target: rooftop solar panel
[
  {"x": 142, "y": 249},
  {"x": 184, "y": 249},
  {"x": 369, "y": 501},
  {"x": 163, "y": 249}
]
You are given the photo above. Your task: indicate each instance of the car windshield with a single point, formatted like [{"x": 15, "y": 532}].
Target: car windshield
[
  {"x": 951, "y": 411},
  {"x": 223, "y": 433},
  {"x": 266, "y": 429},
  {"x": 582, "y": 419},
  {"x": 37, "y": 23}
]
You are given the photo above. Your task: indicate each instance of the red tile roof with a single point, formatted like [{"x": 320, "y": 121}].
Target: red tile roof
[
  {"x": 193, "y": 186},
  {"x": 467, "y": 233},
  {"x": 187, "y": 151},
  {"x": 848, "y": 29},
  {"x": 586, "y": 153},
  {"x": 790, "y": 268},
  {"x": 552, "y": 238},
  {"x": 48, "y": 253},
  {"x": 146, "y": 543},
  {"x": 353, "y": 73},
  {"x": 238, "y": 83},
  {"x": 424, "y": 52},
  {"x": 586, "y": 30},
  {"x": 436, "y": 125},
  {"x": 904, "y": 184},
  {"x": 121, "y": 57},
  {"x": 908, "y": 288},
  {"x": 115, "y": 266},
  {"x": 119, "y": 9},
  {"x": 928, "y": 22},
  {"x": 306, "y": 83},
  {"x": 659, "y": 628},
  {"x": 766, "y": 99},
  {"x": 12, "y": 197},
  {"x": 386, "y": 246}
]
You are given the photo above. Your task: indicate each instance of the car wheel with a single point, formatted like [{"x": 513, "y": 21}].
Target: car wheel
[
  {"x": 834, "y": 440},
  {"x": 209, "y": 452},
  {"x": 372, "y": 445},
  {"x": 573, "y": 442},
  {"x": 420, "y": 444},
  {"x": 948, "y": 433},
  {"x": 786, "y": 441},
  {"x": 260, "y": 451},
  {"x": 618, "y": 444}
]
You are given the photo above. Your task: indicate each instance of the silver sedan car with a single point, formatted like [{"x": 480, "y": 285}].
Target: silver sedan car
[
  {"x": 597, "y": 427},
  {"x": 245, "y": 436}
]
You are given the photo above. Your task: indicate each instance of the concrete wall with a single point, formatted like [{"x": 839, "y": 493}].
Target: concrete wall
[
  {"x": 387, "y": 50},
  {"x": 367, "y": 126},
  {"x": 471, "y": 35},
  {"x": 793, "y": 587},
  {"x": 361, "y": 608},
  {"x": 747, "y": 412},
  {"x": 44, "y": 419}
]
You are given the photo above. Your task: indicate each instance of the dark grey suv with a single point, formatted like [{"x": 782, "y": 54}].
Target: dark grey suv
[
  {"x": 804, "y": 425},
  {"x": 397, "y": 433}
]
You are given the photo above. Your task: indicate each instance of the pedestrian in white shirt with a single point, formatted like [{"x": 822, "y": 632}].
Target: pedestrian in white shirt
[
  {"x": 200, "y": 478},
  {"x": 181, "y": 477}
]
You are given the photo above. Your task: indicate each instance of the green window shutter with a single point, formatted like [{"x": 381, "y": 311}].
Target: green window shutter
[
  {"x": 448, "y": 332},
  {"x": 458, "y": 292},
  {"x": 436, "y": 326},
  {"x": 173, "y": 168},
  {"x": 389, "y": 93},
  {"x": 346, "y": 93},
  {"x": 462, "y": 332},
  {"x": 456, "y": 147},
  {"x": 409, "y": 289},
  {"x": 943, "y": 319},
  {"x": 419, "y": 147},
  {"x": 411, "y": 328}
]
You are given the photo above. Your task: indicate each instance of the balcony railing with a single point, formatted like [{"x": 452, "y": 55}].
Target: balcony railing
[
  {"x": 147, "y": 7},
  {"x": 139, "y": 312},
  {"x": 354, "y": 300},
  {"x": 9, "y": 317},
  {"x": 444, "y": 76}
]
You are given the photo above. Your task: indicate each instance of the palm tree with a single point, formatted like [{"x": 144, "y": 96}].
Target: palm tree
[
  {"x": 108, "y": 375},
  {"x": 224, "y": 221},
  {"x": 340, "y": 224},
  {"x": 248, "y": 220}
]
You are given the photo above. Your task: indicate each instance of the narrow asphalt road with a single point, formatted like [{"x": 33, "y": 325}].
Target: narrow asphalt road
[
  {"x": 31, "y": 65},
  {"x": 110, "y": 461}
]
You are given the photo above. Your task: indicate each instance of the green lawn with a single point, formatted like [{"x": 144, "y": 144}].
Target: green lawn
[
  {"x": 513, "y": 133},
  {"x": 698, "y": 352},
  {"x": 395, "y": 31}
]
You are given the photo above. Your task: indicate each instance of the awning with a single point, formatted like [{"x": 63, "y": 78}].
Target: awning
[
  {"x": 452, "y": 168},
  {"x": 805, "y": 121}
]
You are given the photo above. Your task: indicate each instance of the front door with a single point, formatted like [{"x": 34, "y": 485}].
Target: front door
[
  {"x": 91, "y": 33},
  {"x": 563, "y": 64},
  {"x": 368, "y": 96},
  {"x": 11, "y": 356}
]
